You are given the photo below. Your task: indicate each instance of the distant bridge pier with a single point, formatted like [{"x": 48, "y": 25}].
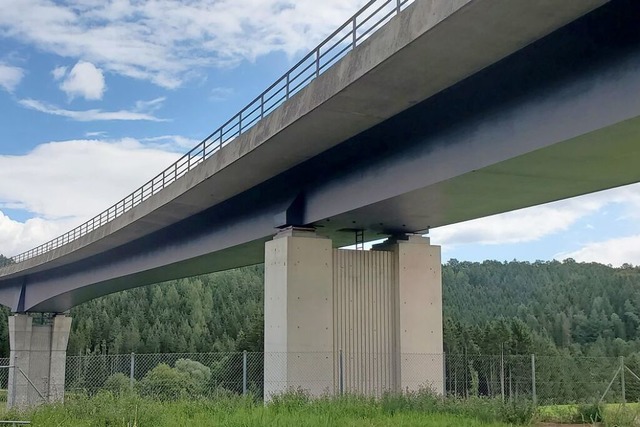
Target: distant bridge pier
[
  {"x": 352, "y": 320},
  {"x": 37, "y": 359}
]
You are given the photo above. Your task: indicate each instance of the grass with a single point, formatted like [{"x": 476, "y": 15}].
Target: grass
[
  {"x": 294, "y": 409},
  {"x": 613, "y": 414}
]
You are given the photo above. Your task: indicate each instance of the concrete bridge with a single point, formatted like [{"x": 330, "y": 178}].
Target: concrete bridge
[{"x": 446, "y": 111}]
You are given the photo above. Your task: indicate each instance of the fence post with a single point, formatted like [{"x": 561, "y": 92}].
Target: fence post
[
  {"x": 502, "y": 371},
  {"x": 444, "y": 374},
  {"x": 132, "y": 370},
  {"x": 15, "y": 379},
  {"x": 340, "y": 373},
  {"x": 624, "y": 397},
  {"x": 533, "y": 379},
  {"x": 244, "y": 373}
]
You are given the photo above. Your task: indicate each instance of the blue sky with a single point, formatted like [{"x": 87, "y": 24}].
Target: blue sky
[{"x": 98, "y": 96}]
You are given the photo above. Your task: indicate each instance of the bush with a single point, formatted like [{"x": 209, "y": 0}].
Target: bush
[
  {"x": 199, "y": 375},
  {"x": 118, "y": 384},
  {"x": 517, "y": 412},
  {"x": 187, "y": 379},
  {"x": 166, "y": 383}
]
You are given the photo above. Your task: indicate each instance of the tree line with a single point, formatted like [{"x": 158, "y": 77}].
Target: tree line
[{"x": 545, "y": 307}]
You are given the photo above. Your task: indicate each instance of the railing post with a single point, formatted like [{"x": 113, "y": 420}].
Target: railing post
[
  {"x": 287, "y": 88},
  {"x": 398, "y": 4},
  {"x": 341, "y": 373},
  {"x": 244, "y": 373},
  {"x": 622, "y": 385},
  {"x": 262, "y": 106},
  {"x": 132, "y": 370},
  {"x": 354, "y": 36},
  {"x": 533, "y": 379}
]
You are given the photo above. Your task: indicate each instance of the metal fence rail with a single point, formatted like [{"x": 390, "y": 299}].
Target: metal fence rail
[
  {"x": 545, "y": 380},
  {"x": 353, "y": 32}
]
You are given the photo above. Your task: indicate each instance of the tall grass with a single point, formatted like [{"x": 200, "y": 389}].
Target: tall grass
[{"x": 292, "y": 409}]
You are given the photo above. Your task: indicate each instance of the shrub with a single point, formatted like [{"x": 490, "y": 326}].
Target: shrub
[
  {"x": 166, "y": 383},
  {"x": 199, "y": 375},
  {"x": 118, "y": 384},
  {"x": 517, "y": 412}
]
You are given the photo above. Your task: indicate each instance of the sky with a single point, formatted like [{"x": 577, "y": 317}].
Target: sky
[{"x": 98, "y": 96}]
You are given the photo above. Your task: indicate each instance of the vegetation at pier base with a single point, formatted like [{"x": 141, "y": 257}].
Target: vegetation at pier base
[{"x": 295, "y": 409}]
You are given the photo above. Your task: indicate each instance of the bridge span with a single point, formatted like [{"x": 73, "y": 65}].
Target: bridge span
[{"x": 452, "y": 110}]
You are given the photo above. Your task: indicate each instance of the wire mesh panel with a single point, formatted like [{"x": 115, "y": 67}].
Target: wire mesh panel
[
  {"x": 543, "y": 379},
  {"x": 577, "y": 379}
]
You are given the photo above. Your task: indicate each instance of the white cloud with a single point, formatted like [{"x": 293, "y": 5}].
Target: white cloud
[
  {"x": 171, "y": 142},
  {"x": 613, "y": 251},
  {"x": 220, "y": 93},
  {"x": 165, "y": 40},
  {"x": 84, "y": 80},
  {"x": 59, "y": 72},
  {"x": 10, "y": 77},
  {"x": 65, "y": 183},
  {"x": 19, "y": 236},
  {"x": 90, "y": 115},
  {"x": 530, "y": 224},
  {"x": 96, "y": 134}
]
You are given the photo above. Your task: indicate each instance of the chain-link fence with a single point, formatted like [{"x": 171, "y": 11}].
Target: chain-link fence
[{"x": 542, "y": 379}]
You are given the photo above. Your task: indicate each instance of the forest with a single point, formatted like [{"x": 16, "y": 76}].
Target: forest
[{"x": 545, "y": 307}]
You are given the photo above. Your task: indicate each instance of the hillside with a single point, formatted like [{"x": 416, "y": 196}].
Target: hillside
[{"x": 542, "y": 307}]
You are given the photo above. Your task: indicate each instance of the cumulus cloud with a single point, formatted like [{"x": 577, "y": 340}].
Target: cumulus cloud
[
  {"x": 530, "y": 224},
  {"x": 165, "y": 40},
  {"x": 10, "y": 77},
  {"x": 16, "y": 236},
  {"x": 65, "y": 183},
  {"x": 613, "y": 251},
  {"x": 84, "y": 80},
  {"x": 95, "y": 114}
]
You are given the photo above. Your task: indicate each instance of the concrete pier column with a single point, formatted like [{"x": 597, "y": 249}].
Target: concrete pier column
[
  {"x": 418, "y": 313},
  {"x": 39, "y": 354},
  {"x": 298, "y": 313},
  {"x": 365, "y": 322}
]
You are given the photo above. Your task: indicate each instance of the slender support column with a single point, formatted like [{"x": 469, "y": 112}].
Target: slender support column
[
  {"x": 298, "y": 312},
  {"x": 38, "y": 353},
  {"x": 418, "y": 346}
]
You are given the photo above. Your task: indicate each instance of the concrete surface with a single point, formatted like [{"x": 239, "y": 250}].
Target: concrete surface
[
  {"x": 375, "y": 316},
  {"x": 39, "y": 352}
]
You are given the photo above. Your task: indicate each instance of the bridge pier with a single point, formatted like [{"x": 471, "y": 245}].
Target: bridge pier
[
  {"x": 355, "y": 321},
  {"x": 38, "y": 359}
]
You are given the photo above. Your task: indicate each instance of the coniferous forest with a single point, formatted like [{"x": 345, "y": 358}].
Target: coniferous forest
[{"x": 547, "y": 307}]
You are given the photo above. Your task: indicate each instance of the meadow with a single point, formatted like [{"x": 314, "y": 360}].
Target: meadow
[{"x": 106, "y": 409}]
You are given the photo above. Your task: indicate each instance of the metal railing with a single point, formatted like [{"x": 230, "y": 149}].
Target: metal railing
[{"x": 365, "y": 22}]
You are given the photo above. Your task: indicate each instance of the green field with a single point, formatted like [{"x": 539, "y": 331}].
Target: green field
[
  {"x": 107, "y": 410},
  {"x": 612, "y": 414},
  {"x": 295, "y": 409}
]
